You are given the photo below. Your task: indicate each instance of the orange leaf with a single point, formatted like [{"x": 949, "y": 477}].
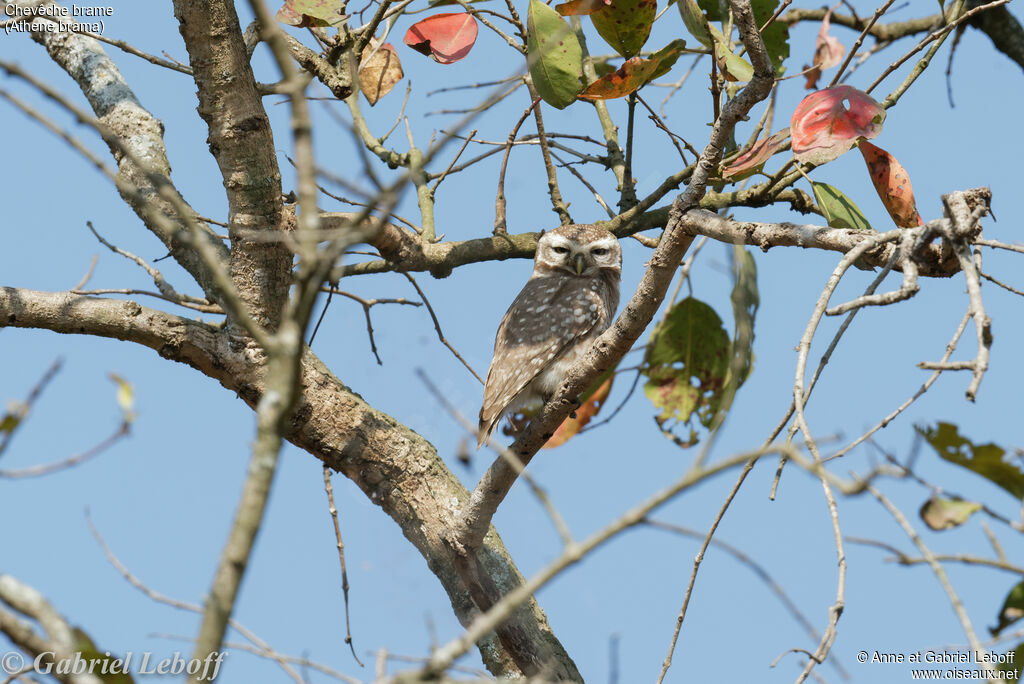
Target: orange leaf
[
  {"x": 828, "y": 52},
  {"x": 580, "y": 7},
  {"x": 445, "y": 38},
  {"x": 823, "y": 127},
  {"x": 754, "y": 158},
  {"x": 634, "y": 73},
  {"x": 379, "y": 70},
  {"x": 892, "y": 184},
  {"x": 570, "y": 426}
]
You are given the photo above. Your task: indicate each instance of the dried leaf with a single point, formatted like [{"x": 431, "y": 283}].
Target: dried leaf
[
  {"x": 945, "y": 514},
  {"x": 892, "y": 184},
  {"x": 580, "y": 7},
  {"x": 751, "y": 161},
  {"x": 302, "y": 13},
  {"x": 634, "y": 73},
  {"x": 445, "y": 37},
  {"x": 379, "y": 70},
  {"x": 590, "y": 405},
  {"x": 828, "y": 52},
  {"x": 554, "y": 56},
  {"x": 823, "y": 127},
  {"x": 625, "y": 24},
  {"x": 125, "y": 397}
]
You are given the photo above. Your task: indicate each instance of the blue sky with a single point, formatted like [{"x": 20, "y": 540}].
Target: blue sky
[{"x": 164, "y": 497}]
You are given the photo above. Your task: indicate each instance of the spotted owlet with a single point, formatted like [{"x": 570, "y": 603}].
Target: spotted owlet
[{"x": 569, "y": 300}]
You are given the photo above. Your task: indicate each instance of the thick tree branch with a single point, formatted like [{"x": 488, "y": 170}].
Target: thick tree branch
[
  {"x": 997, "y": 23},
  {"x": 1003, "y": 28},
  {"x": 242, "y": 142},
  {"x": 403, "y": 251},
  {"x": 118, "y": 109},
  {"x": 61, "y": 642},
  {"x": 396, "y": 468},
  {"x": 615, "y": 342}
]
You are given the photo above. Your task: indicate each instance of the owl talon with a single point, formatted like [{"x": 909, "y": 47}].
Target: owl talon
[{"x": 575, "y": 402}]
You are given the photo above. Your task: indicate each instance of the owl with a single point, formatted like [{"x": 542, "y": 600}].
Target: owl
[{"x": 569, "y": 300}]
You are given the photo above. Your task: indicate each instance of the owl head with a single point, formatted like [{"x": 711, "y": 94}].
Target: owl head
[{"x": 581, "y": 250}]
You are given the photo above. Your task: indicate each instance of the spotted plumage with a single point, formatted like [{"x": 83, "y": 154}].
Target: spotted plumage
[{"x": 569, "y": 300}]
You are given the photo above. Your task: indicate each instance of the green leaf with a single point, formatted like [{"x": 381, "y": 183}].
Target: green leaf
[
  {"x": 113, "y": 665},
  {"x": 686, "y": 363},
  {"x": 554, "y": 56},
  {"x": 839, "y": 210},
  {"x": 1011, "y": 663},
  {"x": 984, "y": 459},
  {"x": 693, "y": 18},
  {"x": 1012, "y": 610},
  {"x": 775, "y": 35},
  {"x": 10, "y": 421},
  {"x": 626, "y": 24},
  {"x": 734, "y": 67},
  {"x": 717, "y": 10},
  {"x": 745, "y": 301},
  {"x": 945, "y": 514},
  {"x": 776, "y": 42}
]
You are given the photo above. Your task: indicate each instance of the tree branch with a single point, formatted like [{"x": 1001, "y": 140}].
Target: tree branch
[
  {"x": 395, "y": 467},
  {"x": 242, "y": 142}
]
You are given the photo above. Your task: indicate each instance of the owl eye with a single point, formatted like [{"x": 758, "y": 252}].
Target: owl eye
[
  {"x": 600, "y": 251},
  {"x": 560, "y": 250}
]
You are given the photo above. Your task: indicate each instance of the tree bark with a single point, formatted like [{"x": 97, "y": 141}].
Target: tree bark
[{"x": 396, "y": 468}]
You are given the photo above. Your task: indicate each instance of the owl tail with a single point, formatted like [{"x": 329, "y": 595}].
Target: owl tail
[{"x": 485, "y": 429}]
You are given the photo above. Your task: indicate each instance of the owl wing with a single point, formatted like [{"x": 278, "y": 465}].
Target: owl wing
[{"x": 548, "y": 316}]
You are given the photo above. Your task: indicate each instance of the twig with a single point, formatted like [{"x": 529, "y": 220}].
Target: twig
[
  {"x": 341, "y": 558},
  {"x": 36, "y": 471},
  {"x": 437, "y": 327},
  {"x": 180, "y": 605},
  {"x": 579, "y": 176},
  {"x": 538, "y": 492},
  {"x": 572, "y": 554},
  {"x": 88, "y": 273},
  {"x": 936, "y": 567},
  {"x": 17, "y": 412},
  {"x": 1001, "y": 284},
  {"x": 860, "y": 39},
  {"x": 458, "y": 154},
  {"x": 950, "y": 348},
  {"x": 558, "y": 205},
  {"x": 500, "y": 225}
]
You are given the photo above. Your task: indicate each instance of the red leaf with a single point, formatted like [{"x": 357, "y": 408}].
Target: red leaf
[
  {"x": 570, "y": 426},
  {"x": 828, "y": 52},
  {"x": 750, "y": 161},
  {"x": 892, "y": 184},
  {"x": 580, "y": 7},
  {"x": 445, "y": 38},
  {"x": 634, "y": 72},
  {"x": 824, "y": 128}
]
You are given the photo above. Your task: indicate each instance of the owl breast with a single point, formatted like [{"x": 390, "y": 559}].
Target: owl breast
[{"x": 569, "y": 300}]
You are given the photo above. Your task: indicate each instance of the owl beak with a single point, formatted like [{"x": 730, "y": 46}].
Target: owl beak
[{"x": 580, "y": 264}]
